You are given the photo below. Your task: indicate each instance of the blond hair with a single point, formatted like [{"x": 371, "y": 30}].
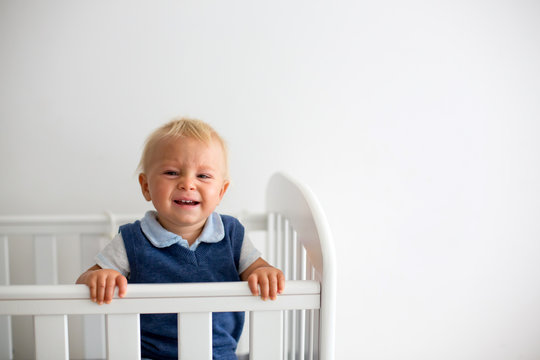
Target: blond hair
[{"x": 182, "y": 127}]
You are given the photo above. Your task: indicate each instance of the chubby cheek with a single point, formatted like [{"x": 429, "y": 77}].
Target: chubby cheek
[
  {"x": 217, "y": 195},
  {"x": 153, "y": 188},
  {"x": 158, "y": 192}
]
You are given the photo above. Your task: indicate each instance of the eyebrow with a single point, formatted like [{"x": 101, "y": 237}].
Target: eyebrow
[
  {"x": 208, "y": 169},
  {"x": 199, "y": 167}
]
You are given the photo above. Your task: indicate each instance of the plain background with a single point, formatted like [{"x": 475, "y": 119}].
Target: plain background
[{"x": 416, "y": 123}]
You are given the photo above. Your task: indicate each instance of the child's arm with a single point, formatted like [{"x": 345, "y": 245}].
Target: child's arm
[
  {"x": 269, "y": 278},
  {"x": 102, "y": 283}
]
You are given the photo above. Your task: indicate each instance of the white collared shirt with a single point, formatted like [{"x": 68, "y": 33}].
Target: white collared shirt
[{"x": 114, "y": 255}]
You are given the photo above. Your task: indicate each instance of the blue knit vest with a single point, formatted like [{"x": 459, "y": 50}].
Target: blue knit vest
[{"x": 210, "y": 262}]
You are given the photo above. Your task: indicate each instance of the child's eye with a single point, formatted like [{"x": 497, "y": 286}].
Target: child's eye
[
  {"x": 203, "y": 176},
  {"x": 171, "y": 173}
]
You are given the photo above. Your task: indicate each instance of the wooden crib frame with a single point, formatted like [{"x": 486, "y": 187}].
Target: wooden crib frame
[{"x": 300, "y": 324}]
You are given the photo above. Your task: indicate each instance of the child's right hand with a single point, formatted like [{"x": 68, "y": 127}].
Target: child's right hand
[{"x": 102, "y": 283}]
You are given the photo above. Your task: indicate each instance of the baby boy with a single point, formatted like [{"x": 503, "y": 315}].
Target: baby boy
[{"x": 184, "y": 172}]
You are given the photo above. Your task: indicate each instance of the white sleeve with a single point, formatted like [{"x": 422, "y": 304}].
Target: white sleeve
[
  {"x": 248, "y": 254},
  {"x": 114, "y": 256}
]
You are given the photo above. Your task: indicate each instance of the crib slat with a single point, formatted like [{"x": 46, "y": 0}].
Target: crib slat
[
  {"x": 6, "y": 348},
  {"x": 286, "y": 320},
  {"x": 279, "y": 242},
  {"x": 286, "y": 249},
  {"x": 93, "y": 335},
  {"x": 123, "y": 336},
  {"x": 45, "y": 259},
  {"x": 271, "y": 238},
  {"x": 310, "y": 315},
  {"x": 6, "y": 340},
  {"x": 316, "y": 339},
  {"x": 266, "y": 335},
  {"x": 301, "y": 266},
  {"x": 310, "y": 339},
  {"x": 51, "y": 337},
  {"x": 4, "y": 260},
  {"x": 47, "y": 343},
  {"x": 293, "y": 276},
  {"x": 287, "y": 273},
  {"x": 301, "y": 342},
  {"x": 195, "y": 342}
]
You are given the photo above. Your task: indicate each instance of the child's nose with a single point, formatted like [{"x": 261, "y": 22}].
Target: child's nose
[{"x": 186, "y": 183}]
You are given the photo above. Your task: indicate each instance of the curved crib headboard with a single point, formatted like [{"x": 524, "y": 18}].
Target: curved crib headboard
[{"x": 315, "y": 235}]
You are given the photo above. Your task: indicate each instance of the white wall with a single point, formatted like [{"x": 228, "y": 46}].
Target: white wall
[{"x": 416, "y": 123}]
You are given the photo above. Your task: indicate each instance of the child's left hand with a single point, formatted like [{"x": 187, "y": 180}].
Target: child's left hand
[{"x": 268, "y": 278}]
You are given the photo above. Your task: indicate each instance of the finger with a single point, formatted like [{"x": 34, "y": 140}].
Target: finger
[
  {"x": 273, "y": 285},
  {"x": 101, "y": 283},
  {"x": 252, "y": 283},
  {"x": 109, "y": 289},
  {"x": 121, "y": 282},
  {"x": 263, "y": 283},
  {"x": 281, "y": 282},
  {"x": 93, "y": 290}
]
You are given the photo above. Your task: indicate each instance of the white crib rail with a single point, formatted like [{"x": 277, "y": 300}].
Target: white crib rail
[{"x": 194, "y": 302}]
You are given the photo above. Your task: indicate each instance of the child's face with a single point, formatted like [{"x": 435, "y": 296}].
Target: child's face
[{"x": 185, "y": 182}]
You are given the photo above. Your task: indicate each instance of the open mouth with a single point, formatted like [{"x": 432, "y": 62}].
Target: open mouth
[{"x": 187, "y": 202}]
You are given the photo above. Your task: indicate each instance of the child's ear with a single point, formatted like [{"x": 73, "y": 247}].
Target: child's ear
[
  {"x": 223, "y": 189},
  {"x": 144, "y": 186}
]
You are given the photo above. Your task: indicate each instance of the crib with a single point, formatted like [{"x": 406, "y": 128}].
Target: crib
[{"x": 300, "y": 324}]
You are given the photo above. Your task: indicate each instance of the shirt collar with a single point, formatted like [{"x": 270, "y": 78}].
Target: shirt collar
[{"x": 212, "y": 232}]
